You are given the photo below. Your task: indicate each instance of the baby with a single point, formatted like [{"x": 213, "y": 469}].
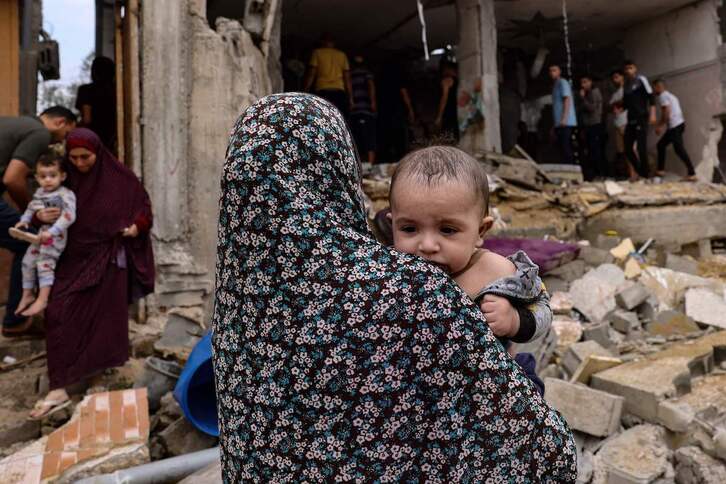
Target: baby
[
  {"x": 440, "y": 211},
  {"x": 47, "y": 246}
]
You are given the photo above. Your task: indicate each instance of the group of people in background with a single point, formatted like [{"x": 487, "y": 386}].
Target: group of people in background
[
  {"x": 353, "y": 90},
  {"x": 632, "y": 110}
]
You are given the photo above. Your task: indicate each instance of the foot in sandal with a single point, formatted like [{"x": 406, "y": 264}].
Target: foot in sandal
[{"x": 54, "y": 401}]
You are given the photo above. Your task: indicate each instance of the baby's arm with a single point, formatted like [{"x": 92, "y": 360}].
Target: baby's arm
[{"x": 67, "y": 216}]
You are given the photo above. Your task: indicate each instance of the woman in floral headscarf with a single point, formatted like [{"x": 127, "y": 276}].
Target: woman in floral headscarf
[{"x": 338, "y": 358}]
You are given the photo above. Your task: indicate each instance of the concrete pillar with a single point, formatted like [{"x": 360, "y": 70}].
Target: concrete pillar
[
  {"x": 477, "y": 57},
  {"x": 165, "y": 67}
]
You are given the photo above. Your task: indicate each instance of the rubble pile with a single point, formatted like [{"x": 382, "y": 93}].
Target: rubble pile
[
  {"x": 124, "y": 418},
  {"x": 636, "y": 357}
]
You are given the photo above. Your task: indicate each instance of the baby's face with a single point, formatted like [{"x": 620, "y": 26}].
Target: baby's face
[
  {"x": 442, "y": 223},
  {"x": 49, "y": 177}
]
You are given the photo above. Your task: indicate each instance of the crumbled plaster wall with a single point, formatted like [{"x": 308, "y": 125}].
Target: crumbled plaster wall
[
  {"x": 195, "y": 83},
  {"x": 682, "y": 47}
]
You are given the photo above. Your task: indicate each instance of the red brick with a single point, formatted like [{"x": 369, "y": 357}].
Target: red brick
[
  {"x": 55, "y": 440},
  {"x": 51, "y": 461},
  {"x": 67, "y": 459},
  {"x": 116, "y": 417},
  {"x": 71, "y": 434}
]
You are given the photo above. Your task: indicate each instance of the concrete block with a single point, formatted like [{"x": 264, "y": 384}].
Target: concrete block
[
  {"x": 561, "y": 303},
  {"x": 569, "y": 331},
  {"x": 587, "y": 410},
  {"x": 594, "y": 256},
  {"x": 706, "y": 307},
  {"x": 668, "y": 224},
  {"x": 632, "y": 296},
  {"x": 600, "y": 333},
  {"x": 639, "y": 455},
  {"x": 678, "y": 263},
  {"x": 660, "y": 376},
  {"x": 555, "y": 284},
  {"x": 648, "y": 310},
  {"x": 181, "y": 437},
  {"x": 569, "y": 272},
  {"x": 179, "y": 337},
  {"x": 675, "y": 417},
  {"x": 578, "y": 352},
  {"x": 624, "y": 321},
  {"x": 693, "y": 466},
  {"x": 669, "y": 322},
  {"x": 593, "y": 364},
  {"x": 606, "y": 242},
  {"x": 594, "y": 294}
]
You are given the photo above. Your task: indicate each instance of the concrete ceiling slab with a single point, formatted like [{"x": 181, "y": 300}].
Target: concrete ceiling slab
[{"x": 369, "y": 23}]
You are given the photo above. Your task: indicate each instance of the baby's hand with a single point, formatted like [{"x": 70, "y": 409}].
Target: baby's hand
[
  {"x": 45, "y": 237},
  {"x": 501, "y": 316}
]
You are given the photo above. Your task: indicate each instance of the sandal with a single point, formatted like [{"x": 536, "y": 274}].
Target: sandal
[{"x": 49, "y": 406}]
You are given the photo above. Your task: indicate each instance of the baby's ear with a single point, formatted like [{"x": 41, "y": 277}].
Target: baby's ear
[{"x": 485, "y": 226}]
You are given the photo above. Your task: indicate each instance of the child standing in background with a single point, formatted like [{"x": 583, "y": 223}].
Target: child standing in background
[{"x": 46, "y": 247}]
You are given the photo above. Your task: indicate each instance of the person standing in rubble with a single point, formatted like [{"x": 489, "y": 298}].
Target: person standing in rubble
[
  {"x": 563, "y": 111},
  {"x": 365, "y": 108},
  {"x": 22, "y": 141},
  {"x": 672, "y": 125},
  {"x": 447, "y": 120},
  {"x": 329, "y": 74},
  {"x": 591, "y": 100},
  {"x": 639, "y": 101},
  {"x": 107, "y": 264},
  {"x": 620, "y": 122},
  {"x": 97, "y": 101},
  {"x": 337, "y": 359}
]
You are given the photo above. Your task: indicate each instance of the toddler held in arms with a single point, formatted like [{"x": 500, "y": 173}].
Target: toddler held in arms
[
  {"x": 439, "y": 200},
  {"x": 46, "y": 247}
]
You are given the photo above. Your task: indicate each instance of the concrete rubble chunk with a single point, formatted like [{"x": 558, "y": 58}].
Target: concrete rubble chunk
[
  {"x": 594, "y": 294},
  {"x": 542, "y": 348},
  {"x": 181, "y": 437},
  {"x": 108, "y": 431},
  {"x": 569, "y": 272},
  {"x": 595, "y": 257},
  {"x": 599, "y": 333},
  {"x": 180, "y": 335},
  {"x": 649, "y": 309},
  {"x": 632, "y": 296},
  {"x": 706, "y": 307},
  {"x": 659, "y": 376},
  {"x": 578, "y": 352},
  {"x": 623, "y": 249},
  {"x": 212, "y": 474},
  {"x": 675, "y": 417},
  {"x": 624, "y": 321},
  {"x": 639, "y": 455},
  {"x": 561, "y": 303},
  {"x": 669, "y": 322},
  {"x": 679, "y": 263},
  {"x": 587, "y": 410},
  {"x": 693, "y": 466},
  {"x": 669, "y": 287},
  {"x": 568, "y": 330},
  {"x": 15, "y": 427},
  {"x": 593, "y": 364}
]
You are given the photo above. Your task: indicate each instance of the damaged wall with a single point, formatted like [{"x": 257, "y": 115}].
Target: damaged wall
[
  {"x": 682, "y": 48},
  {"x": 195, "y": 83}
]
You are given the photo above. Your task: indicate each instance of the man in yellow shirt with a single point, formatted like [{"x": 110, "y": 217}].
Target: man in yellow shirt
[{"x": 330, "y": 72}]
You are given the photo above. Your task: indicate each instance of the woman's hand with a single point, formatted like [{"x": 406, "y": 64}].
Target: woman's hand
[
  {"x": 21, "y": 226},
  {"x": 132, "y": 231},
  {"x": 48, "y": 215}
]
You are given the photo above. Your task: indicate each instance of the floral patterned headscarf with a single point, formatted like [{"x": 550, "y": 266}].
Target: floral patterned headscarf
[{"x": 338, "y": 358}]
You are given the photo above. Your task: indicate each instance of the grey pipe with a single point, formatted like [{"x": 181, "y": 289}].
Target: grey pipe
[{"x": 159, "y": 472}]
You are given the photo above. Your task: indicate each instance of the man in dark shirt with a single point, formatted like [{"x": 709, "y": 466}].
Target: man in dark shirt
[
  {"x": 364, "y": 109},
  {"x": 639, "y": 101},
  {"x": 22, "y": 141}
]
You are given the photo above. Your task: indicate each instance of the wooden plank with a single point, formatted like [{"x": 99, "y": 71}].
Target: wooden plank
[{"x": 9, "y": 58}]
